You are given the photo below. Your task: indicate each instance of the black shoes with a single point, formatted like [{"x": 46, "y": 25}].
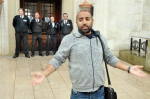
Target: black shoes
[
  {"x": 27, "y": 56},
  {"x": 15, "y": 56},
  {"x": 40, "y": 54},
  {"x": 32, "y": 55},
  {"x": 47, "y": 53}
]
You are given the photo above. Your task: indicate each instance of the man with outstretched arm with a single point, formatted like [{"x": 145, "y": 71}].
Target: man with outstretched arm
[{"x": 86, "y": 65}]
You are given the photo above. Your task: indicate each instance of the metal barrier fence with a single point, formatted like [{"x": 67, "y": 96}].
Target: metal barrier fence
[{"x": 138, "y": 45}]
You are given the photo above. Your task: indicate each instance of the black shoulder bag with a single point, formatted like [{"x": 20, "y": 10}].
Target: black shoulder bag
[{"x": 109, "y": 91}]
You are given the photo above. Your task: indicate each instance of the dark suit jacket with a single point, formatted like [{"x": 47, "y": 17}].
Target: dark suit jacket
[
  {"x": 36, "y": 27},
  {"x": 21, "y": 24},
  {"x": 52, "y": 30},
  {"x": 65, "y": 28}
]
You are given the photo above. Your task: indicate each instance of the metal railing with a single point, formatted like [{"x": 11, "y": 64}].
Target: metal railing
[{"x": 139, "y": 45}]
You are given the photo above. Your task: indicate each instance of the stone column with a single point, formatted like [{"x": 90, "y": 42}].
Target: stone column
[
  {"x": 13, "y": 6},
  {"x": 4, "y": 37},
  {"x": 7, "y": 33}
]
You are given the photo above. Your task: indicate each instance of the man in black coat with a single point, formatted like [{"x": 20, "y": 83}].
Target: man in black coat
[
  {"x": 21, "y": 24},
  {"x": 65, "y": 26},
  {"x": 36, "y": 29},
  {"x": 52, "y": 30}
]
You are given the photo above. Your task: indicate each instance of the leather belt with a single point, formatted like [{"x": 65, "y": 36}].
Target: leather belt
[{"x": 93, "y": 91}]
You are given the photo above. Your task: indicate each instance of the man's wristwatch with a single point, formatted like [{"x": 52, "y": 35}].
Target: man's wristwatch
[{"x": 129, "y": 69}]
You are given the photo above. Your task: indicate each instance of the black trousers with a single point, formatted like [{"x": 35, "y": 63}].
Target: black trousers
[
  {"x": 36, "y": 37},
  {"x": 61, "y": 38},
  {"x": 51, "y": 43},
  {"x": 21, "y": 38}
]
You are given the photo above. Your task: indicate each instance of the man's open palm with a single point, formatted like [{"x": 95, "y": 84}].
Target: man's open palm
[
  {"x": 138, "y": 71},
  {"x": 37, "y": 78}
]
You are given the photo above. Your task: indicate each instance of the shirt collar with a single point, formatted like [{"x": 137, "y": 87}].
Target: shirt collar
[{"x": 22, "y": 16}]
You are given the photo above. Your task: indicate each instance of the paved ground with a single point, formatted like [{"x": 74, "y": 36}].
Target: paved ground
[{"x": 15, "y": 81}]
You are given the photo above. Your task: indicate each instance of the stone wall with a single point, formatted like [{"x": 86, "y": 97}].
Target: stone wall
[
  {"x": 117, "y": 20},
  {"x": 67, "y": 7},
  {"x": 146, "y": 16}
]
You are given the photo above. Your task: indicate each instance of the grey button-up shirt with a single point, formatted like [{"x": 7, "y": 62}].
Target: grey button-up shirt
[{"x": 86, "y": 64}]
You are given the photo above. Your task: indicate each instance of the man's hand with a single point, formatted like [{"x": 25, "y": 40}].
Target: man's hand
[
  {"x": 37, "y": 78},
  {"x": 138, "y": 71},
  {"x": 135, "y": 70}
]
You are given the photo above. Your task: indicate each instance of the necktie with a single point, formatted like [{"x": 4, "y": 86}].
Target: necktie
[
  {"x": 53, "y": 24},
  {"x": 65, "y": 22}
]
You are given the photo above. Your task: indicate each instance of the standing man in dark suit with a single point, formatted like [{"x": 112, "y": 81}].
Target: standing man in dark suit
[
  {"x": 36, "y": 28},
  {"x": 65, "y": 25},
  {"x": 21, "y": 24},
  {"x": 52, "y": 30}
]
